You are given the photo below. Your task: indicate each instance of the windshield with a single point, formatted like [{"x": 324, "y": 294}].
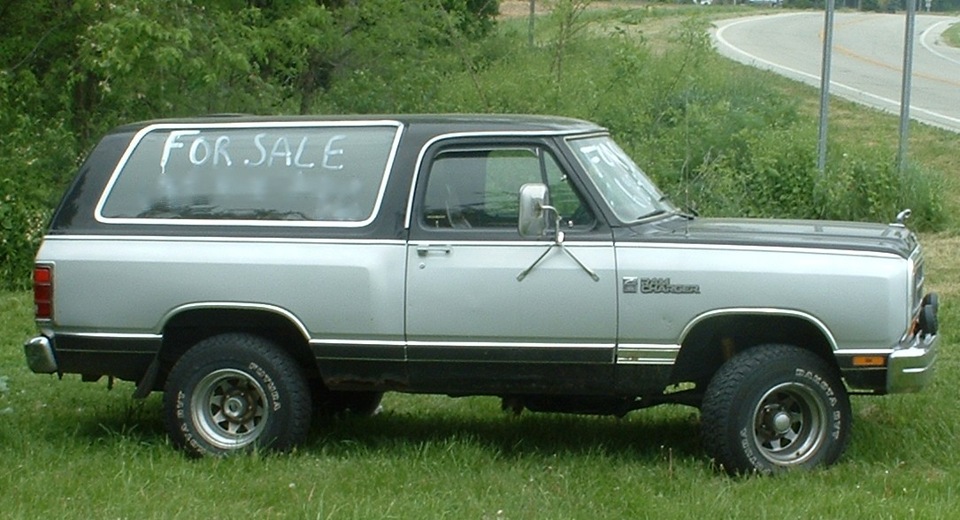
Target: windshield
[{"x": 624, "y": 187}]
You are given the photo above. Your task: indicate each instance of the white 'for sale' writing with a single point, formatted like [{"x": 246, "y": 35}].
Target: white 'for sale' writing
[{"x": 202, "y": 150}]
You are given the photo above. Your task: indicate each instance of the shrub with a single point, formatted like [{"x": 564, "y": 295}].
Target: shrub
[
  {"x": 21, "y": 227},
  {"x": 865, "y": 186}
]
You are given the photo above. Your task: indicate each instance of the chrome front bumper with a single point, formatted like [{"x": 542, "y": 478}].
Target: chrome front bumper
[{"x": 910, "y": 366}]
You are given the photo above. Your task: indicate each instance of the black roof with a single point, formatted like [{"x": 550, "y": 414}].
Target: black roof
[{"x": 430, "y": 123}]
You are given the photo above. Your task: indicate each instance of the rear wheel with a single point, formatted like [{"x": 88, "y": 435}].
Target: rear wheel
[
  {"x": 775, "y": 407},
  {"x": 234, "y": 392}
]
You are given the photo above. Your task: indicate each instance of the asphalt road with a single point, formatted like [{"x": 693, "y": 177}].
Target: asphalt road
[{"x": 867, "y": 60}]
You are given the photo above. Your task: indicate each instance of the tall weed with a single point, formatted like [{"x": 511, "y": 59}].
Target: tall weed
[{"x": 865, "y": 186}]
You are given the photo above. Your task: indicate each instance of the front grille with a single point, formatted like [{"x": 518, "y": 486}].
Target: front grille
[{"x": 919, "y": 277}]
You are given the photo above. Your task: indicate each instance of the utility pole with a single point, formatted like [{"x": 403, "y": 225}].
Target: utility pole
[
  {"x": 905, "y": 90},
  {"x": 533, "y": 13},
  {"x": 825, "y": 86}
]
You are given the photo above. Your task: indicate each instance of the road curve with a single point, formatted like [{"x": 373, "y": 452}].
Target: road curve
[{"x": 867, "y": 60}]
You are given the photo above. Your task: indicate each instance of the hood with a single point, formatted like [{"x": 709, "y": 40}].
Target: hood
[{"x": 821, "y": 234}]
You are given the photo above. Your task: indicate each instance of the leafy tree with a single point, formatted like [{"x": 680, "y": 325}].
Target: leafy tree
[{"x": 71, "y": 69}]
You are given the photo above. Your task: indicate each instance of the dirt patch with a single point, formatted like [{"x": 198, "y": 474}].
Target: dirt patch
[{"x": 518, "y": 8}]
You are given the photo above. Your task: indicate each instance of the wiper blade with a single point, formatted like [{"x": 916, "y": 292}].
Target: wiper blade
[{"x": 652, "y": 214}]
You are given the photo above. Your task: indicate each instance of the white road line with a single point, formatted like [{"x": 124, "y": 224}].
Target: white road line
[
  {"x": 923, "y": 41},
  {"x": 757, "y": 61}
]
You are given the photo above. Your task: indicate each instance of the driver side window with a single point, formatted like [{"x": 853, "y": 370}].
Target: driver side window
[{"x": 478, "y": 188}]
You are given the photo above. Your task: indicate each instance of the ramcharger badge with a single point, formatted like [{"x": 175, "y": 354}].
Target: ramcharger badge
[{"x": 663, "y": 286}]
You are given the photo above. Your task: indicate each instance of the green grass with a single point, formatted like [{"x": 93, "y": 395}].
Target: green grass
[{"x": 952, "y": 35}]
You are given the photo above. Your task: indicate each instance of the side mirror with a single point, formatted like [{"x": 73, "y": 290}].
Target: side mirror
[{"x": 533, "y": 202}]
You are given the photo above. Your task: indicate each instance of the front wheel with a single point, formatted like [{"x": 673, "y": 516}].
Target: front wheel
[
  {"x": 775, "y": 407},
  {"x": 234, "y": 392}
]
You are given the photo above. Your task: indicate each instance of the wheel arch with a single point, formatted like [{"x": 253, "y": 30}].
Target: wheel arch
[
  {"x": 187, "y": 325},
  {"x": 714, "y": 337}
]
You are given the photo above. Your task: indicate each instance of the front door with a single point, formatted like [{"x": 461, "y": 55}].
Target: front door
[{"x": 478, "y": 319}]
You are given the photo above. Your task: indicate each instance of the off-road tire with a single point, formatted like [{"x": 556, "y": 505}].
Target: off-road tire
[
  {"x": 236, "y": 392},
  {"x": 772, "y": 408}
]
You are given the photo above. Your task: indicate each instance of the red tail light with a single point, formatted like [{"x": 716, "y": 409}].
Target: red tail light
[{"x": 43, "y": 292}]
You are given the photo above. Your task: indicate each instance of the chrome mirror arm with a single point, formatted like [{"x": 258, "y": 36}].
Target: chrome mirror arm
[
  {"x": 591, "y": 272},
  {"x": 523, "y": 274},
  {"x": 558, "y": 241}
]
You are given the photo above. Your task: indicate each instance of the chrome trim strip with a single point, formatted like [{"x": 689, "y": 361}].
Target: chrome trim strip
[
  {"x": 508, "y": 344},
  {"x": 647, "y": 354},
  {"x": 111, "y": 335},
  {"x": 236, "y": 306},
  {"x": 458, "y": 135},
  {"x": 762, "y": 311},
  {"x": 98, "y": 215},
  {"x": 591, "y": 135},
  {"x": 357, "y": 343},
  {"x": 320, "y": 241},
  {"x": 864, "y": 352},
  {"x": 261, "y": 240},
  {"x": 734, "y": 247},
  {"x": 509, "y": 243},
  {"x": 503, "y": 362}
]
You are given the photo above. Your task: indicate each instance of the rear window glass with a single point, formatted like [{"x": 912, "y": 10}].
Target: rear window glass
[{"x": 253, "y": 174}]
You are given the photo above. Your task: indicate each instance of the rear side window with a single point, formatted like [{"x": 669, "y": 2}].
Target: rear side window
[{"x": 253, "y": 174}]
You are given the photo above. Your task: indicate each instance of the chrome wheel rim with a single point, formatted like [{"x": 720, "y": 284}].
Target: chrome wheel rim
[
  {"x": 229, "y": 409},
  {"x": 789, "y": 424}
]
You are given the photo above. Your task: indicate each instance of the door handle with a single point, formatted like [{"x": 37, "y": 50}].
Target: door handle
[{"x": 426, "y": 249}]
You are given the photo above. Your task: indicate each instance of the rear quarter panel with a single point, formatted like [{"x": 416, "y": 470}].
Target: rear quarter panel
[{"x": 337, "y": 289}]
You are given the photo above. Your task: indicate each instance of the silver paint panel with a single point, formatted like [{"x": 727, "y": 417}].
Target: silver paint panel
[
  {"x": 466, "y": 293},
  {"x": 336, "y": 290},
  {"x": 471, "y": 294},
  {"x": 767, "y": 281}
]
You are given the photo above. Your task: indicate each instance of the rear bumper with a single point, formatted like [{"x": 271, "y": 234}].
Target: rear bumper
[
  {"x": 124, "y": 356},
  {"x": 40, "y": 355}
]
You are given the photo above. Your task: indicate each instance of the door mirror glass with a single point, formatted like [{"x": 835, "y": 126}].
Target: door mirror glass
[{"x": 532, "y": 221}]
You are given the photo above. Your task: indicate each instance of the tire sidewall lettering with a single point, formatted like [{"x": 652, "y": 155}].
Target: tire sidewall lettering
[
  {"x": 835, "y": 415},
  {"x": 746, "y": 443},
  {"x": 271, "y": 387},
  {"x": 180, "y": 407},
  {"x": 820, "y": 383}
]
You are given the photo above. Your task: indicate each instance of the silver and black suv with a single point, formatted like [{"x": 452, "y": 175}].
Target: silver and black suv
[{"x": 260, "y": 270}]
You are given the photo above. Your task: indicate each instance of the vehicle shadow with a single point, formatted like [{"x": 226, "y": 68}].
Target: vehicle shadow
[
  {"x": 647, "y": 435},
  {"x": 643, "y": 435}
]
